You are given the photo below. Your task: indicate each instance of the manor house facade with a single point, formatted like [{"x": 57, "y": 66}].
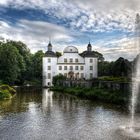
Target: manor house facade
[{"x": 73, "y": 65}]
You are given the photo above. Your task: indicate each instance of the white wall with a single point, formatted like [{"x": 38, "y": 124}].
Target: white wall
[
  {"x": 53, "y": 65},
  {"x": 70, "y": 55},
  {"x": 56, "y": 62},
  {"x": 87, "y": 67}
]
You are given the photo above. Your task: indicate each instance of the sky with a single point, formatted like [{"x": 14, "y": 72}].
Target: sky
[{"x": 109, "y": 25}]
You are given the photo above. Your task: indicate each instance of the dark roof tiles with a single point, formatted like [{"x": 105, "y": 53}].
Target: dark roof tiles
[{"x": 50, "y": 54}]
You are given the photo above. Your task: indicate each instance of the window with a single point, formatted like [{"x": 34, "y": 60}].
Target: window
[
  {"x": 49, "y": 60},
  {"x": 65, "y": 67},
  {"x": 71, "y": 68},
  {"x": 76, "y": 67},
  {"x": 76, "y": 60},
  {"x": 82, "y": 75},
  {"x": 49, "y": 67},
  {"x": 91, "y": 60},
  {"x": 91, "y": 67},
  {"x": 49, "y": 76},
  {"x": 65, "y": 60},
  {"x": 60, "y": 67},
  {"x": 81, "y": 68},
  {"x": 91, "y": 75},
  {"x": 71, "y": 60}
]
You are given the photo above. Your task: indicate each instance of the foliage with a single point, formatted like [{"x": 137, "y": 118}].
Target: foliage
[
  {"x": 58, "y": 54},
  {"x": 7, "y": 87},
  {"x": 6, "y": 92},
  {"x": 25, "y": 53},
  {"x": 105, "y": 68},
  {"x": 11, "y": 63},
  {"x": 18, "y": 65},
  {"x": 57, "y": 80},
  {"x": 120, "y": 68},
  {"x": 5, "y": 95},
  {"x": 36, "y": 67}
]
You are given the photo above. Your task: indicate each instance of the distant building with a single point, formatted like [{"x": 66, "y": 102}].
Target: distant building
[{"x": 71, "y": 64}]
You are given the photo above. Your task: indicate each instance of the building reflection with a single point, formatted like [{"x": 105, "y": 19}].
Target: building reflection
[{"x": 47, "y": 100}]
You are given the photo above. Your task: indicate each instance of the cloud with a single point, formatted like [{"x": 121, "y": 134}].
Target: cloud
[
  {"x": 34, "y": 33},
  {"x": 125, "y": 47},
  {"x": 89, "y": 15},
  {"x": 81, "y": 17}
]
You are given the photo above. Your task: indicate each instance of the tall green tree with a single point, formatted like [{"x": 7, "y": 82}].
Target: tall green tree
[
  {"x": 25, "y": 53},
  {"x": 122, "y": 67},
  {"x": 37, "y": 65},
  {"x": 105, "y": 68},
  {"x": 11, "y": 63}
]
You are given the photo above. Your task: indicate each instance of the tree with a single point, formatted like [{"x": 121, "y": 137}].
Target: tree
[
  {"x": 37, "y": 65},
  {"x": 18, "y": 65},
  {"x": 25, "y": 53},
  {"x": 122, "y": 67},
  {"x": 11, "y": 63},
  {"x": 105, "y": 68},
  {"x": 58, "y": 54}
]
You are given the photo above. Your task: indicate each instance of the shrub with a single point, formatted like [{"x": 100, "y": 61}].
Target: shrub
[
  {"x": 57, "y": 80},
  {"x": 8, "y": 88},
  {"x": 5, "y": 95},
  {"x": 6, "y": 92}
]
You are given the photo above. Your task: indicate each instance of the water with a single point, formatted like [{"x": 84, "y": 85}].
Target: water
[{"x": 42, "y": 115}]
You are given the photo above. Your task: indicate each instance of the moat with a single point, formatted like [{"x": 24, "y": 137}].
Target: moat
[{"x": 37, "y": 114}]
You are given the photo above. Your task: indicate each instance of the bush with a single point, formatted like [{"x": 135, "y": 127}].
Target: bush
[
  {"x": 6, "y": 92},
  {"x": 57, "y": 80},
  {"x": 8, "y": 88},
  {"x": 5, "y": 95}
]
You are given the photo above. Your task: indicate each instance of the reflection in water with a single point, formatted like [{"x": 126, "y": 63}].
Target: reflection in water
[
  {"x": 47, "y": 100},
  {"x": 40, "y": 115}
]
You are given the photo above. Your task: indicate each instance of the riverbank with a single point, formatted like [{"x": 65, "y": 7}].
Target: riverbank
[
  {"x": 102, "y": 94},
  {"x": 6, "y": 92}
]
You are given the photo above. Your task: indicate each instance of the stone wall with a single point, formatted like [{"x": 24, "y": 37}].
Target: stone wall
[{"x": 123, "y": 86}]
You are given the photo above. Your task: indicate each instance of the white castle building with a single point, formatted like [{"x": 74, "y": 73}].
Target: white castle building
[{"x": 71, "y": 64}]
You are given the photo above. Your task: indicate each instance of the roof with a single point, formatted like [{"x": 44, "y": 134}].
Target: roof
[
  {"x": 50, "y": 54},
  {"x": 70, "y": 49},
  {"x": 88, "y": 54},
  {"x": 89, "y": 45}
]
